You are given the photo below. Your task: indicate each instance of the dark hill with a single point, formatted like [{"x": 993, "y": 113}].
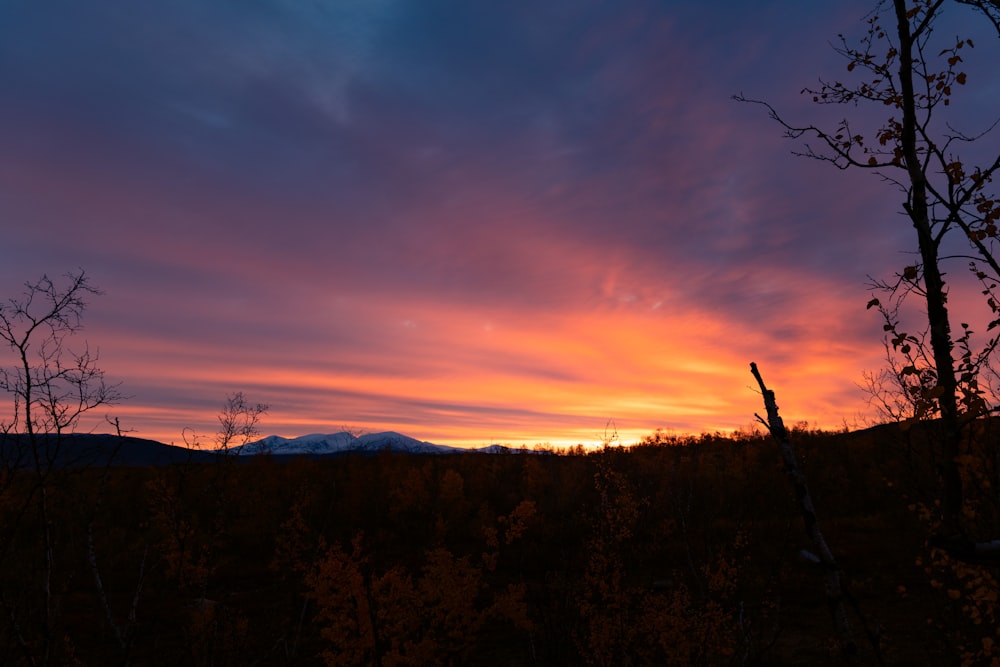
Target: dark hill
[{"x": 95, "y": 450}]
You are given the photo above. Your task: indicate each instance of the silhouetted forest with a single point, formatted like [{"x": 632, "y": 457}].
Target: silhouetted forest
[{"x": 678, "y": 550}]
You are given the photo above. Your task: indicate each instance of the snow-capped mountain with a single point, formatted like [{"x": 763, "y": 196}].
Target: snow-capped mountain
[{"x": 318, "y": 444}]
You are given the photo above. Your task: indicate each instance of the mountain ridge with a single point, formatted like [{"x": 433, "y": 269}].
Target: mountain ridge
[
  {"x": 80, "y": 450},
  {"x": 320, "y": 444}
]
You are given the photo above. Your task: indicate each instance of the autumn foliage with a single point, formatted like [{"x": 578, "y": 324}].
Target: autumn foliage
[{"x": 672, "y": 551}]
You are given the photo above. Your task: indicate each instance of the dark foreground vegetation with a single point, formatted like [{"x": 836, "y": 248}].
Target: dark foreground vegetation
[{"x": 675, "y": 551}]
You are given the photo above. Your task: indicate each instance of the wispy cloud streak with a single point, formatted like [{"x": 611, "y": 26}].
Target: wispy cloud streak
[{"x": 465, "y": 222}]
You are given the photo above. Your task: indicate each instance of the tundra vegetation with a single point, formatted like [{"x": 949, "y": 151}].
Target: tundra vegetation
[{"x": 677, "y": 550}]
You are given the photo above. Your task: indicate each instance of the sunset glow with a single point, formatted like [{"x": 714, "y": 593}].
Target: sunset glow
[{"x": 502, "y": 224}]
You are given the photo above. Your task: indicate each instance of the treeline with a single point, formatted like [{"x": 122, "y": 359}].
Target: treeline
[{"x": 673, "y": 551}]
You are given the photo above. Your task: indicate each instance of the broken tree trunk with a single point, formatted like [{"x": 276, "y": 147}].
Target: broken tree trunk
[{"x": 831, "y": 572}]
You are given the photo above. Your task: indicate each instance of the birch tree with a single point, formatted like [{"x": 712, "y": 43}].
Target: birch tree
[
  {"x": 51, "y": 387},
  {"x": 943, "y": 174}
]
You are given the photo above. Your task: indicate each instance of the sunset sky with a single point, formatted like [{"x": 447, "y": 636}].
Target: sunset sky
[{"x": 469, "y": 222}]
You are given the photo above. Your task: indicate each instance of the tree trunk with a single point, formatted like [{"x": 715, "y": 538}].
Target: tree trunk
[
  {"x": 937, "y": 312},
  {"x": 831, "y": 572}
]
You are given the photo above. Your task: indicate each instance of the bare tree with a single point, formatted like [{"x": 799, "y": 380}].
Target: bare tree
[
  {"x": 52, "y": 387},
  {"x": 238, "y": 421},
  {"x": 902, "y": 66}
]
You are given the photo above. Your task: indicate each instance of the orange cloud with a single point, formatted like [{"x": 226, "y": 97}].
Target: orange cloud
[{"x": 469, "y": 376}]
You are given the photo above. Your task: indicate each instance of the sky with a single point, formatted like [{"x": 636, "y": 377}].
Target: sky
[{"x": 469, "y": 222}]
